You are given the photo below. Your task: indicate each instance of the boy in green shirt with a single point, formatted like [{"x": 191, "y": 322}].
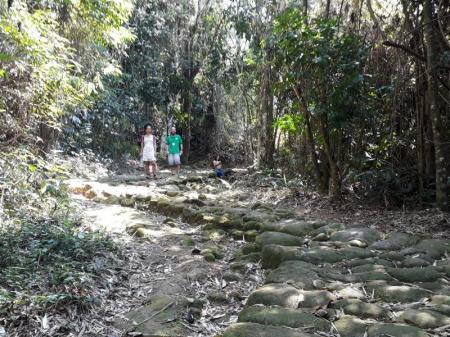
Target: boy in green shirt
[{"x": 174, "y": 149}]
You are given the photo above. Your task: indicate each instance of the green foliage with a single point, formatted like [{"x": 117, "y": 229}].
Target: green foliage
[
  {"x": 53, "y": 56},
  {"x": 325, "y": 65},
  {"x": 59, "y": 257},
  {"x": 30, "y": 186}
]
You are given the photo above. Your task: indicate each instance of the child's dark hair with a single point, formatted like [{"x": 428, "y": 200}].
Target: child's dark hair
[{"x": 146, "y": 126}]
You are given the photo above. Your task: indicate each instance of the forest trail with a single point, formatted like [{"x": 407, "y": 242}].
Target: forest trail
[{"x": 203, "y": 244}]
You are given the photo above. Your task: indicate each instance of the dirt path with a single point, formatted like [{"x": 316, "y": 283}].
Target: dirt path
[
  {"x": 180, "y": 281},
  {"x": 202, "y": 241}
]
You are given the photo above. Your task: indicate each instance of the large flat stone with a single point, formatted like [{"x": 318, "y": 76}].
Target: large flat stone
[
  {"x": 361, "y": 309},
  {"x": 298, "y": 273},
  {"x": 411, "y": 275},
  {"x": 350, "y": 326},
  {"x": 282, "y": 295},
  {"x": 366, "y": 235},
  {"x": 261, "y": 330},
  {"x": 291, "y": 226},
  {"x": 277, "y": 238},
  {"x": 397, "y": 293},
  {"x": 433, "y": 248},
  {"x": 395, "y": 241},
  {"x": 287, "y": 296},
  {"x": 293, "y": 318},
  {"x": 425, "y": 319},
  {"x": 395, "y": 330}
]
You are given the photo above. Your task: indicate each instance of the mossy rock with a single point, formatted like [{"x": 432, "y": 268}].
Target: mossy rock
[
  {"x": 290, "y": 226},
  {"x": 251, "y": 257},
  {"x": 189, "y": 214},
  {"x": 397, "y": 293},
  {"x": 251, "y": 235},
  {"x": 395, "y": 330},
  {"x": 366, "y": 235},
  {"x": 232, "y": 276},
  {"x": 188, "y": 242},
  {"x": 293, "y": 318},
  {"x": 249, "y": 225},
  {"x": 250, "y": 247},
  {"x": 351, "y": 253},
  {"x": 218, "y": 297},
  {"x": 127, "y": 202},
  {"x": 261, "y": 330},
  {"x": 273, "y": 255},
  {"x": 434, "y": 248},
  {"x": 217, "y": 252},
  {"x": 425, "y": 319},
  {"x": 288, "y": 296},
  {"x": 411, "y": 275},
  {"x": 412, "y": 262},
  {"x": 298, "y": 273},
  {"x": 213, "y": 234},
  {"x": 350, "y": 326},
  {"x": 440, "y": 299},
  {"x": 395, "y": 241},
  {"x": 282, "y": 295},
  {"x": 110, "y": 200},
  {"x": 276, "y": 238},
  {"x": 209, "y": 257},
  {"x": 237, "y": 234},
  {"x": 356, "y": 307}
]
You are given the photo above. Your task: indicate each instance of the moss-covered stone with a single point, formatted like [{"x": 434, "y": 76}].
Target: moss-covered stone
[
  {"x": 251, "y": 257},
  {"x": 276, "y": 294},
  {"x": 350, "y": 326},
  {"x": 237, "y": 234},
  {"x": 232, "y": 276},
  {"x": 251, "y": 235},
  {"x": 188, "y": 242},
  {"x": 367, "y": 235},
  {"x": 250, "y": 247},
  {"x": 293, "y": 318},
  {"x": 411, "y": 275},
  {"x": 261, "y": 330},
  {"x": 397, "y": 293},
  {"x": 298, "y": 273},
  {"x": 395, "y": 330},
  {"x": 290, "y": 226},
  {"x": 395, "y": 241},
  {"x": 218, "y": 297},
  {"x": 434, "y": 248},
  {"x": 361, "y": 309},
  {"x": 127, "y": 201},
  {"x": 425, "y": 319},
  {"x": 277, "y": 238}
]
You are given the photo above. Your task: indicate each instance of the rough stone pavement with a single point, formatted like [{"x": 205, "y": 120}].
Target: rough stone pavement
[{"x": 323, "y": 279}]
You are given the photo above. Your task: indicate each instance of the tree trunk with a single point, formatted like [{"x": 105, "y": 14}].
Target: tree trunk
[
  {"x": 442, "y": 198},
  {"x": 323, "y": 186},
  {"x": 334, "y": 168}
]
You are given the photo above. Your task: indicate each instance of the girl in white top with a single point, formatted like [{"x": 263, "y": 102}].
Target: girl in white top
[{"x": 148, "y": 151}]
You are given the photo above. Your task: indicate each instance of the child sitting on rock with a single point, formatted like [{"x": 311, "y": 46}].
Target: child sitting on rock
[{"x": 217, "y": 164}]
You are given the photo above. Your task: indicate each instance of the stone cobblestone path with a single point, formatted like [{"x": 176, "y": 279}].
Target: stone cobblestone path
[{"x": 321, "y": 278}]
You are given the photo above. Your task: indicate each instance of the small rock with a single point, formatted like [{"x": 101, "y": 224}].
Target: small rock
[{"x": 218, "y": 297}]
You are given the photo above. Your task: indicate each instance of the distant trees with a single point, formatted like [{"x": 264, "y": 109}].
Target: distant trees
[{"x": 349, "y": 96}]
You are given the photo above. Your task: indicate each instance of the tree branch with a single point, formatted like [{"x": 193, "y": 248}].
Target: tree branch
[{"x": 405, "y": 49}]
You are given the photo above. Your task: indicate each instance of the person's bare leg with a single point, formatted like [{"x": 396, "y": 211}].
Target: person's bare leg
[
  {"x": 154, "y": 169},
  {"x": 178, "y": 169}
]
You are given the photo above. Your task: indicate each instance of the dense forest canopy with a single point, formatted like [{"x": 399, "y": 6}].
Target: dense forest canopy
[{"x": 346, "y": 95}]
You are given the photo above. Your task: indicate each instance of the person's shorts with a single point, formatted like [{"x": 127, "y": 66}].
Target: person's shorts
[
  {"x": 219, "y": 172},
  {"x": 174, "y": 159}
]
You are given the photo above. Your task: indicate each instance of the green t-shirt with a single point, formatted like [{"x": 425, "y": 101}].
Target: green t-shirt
[{"x": 174, "y": 142}]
